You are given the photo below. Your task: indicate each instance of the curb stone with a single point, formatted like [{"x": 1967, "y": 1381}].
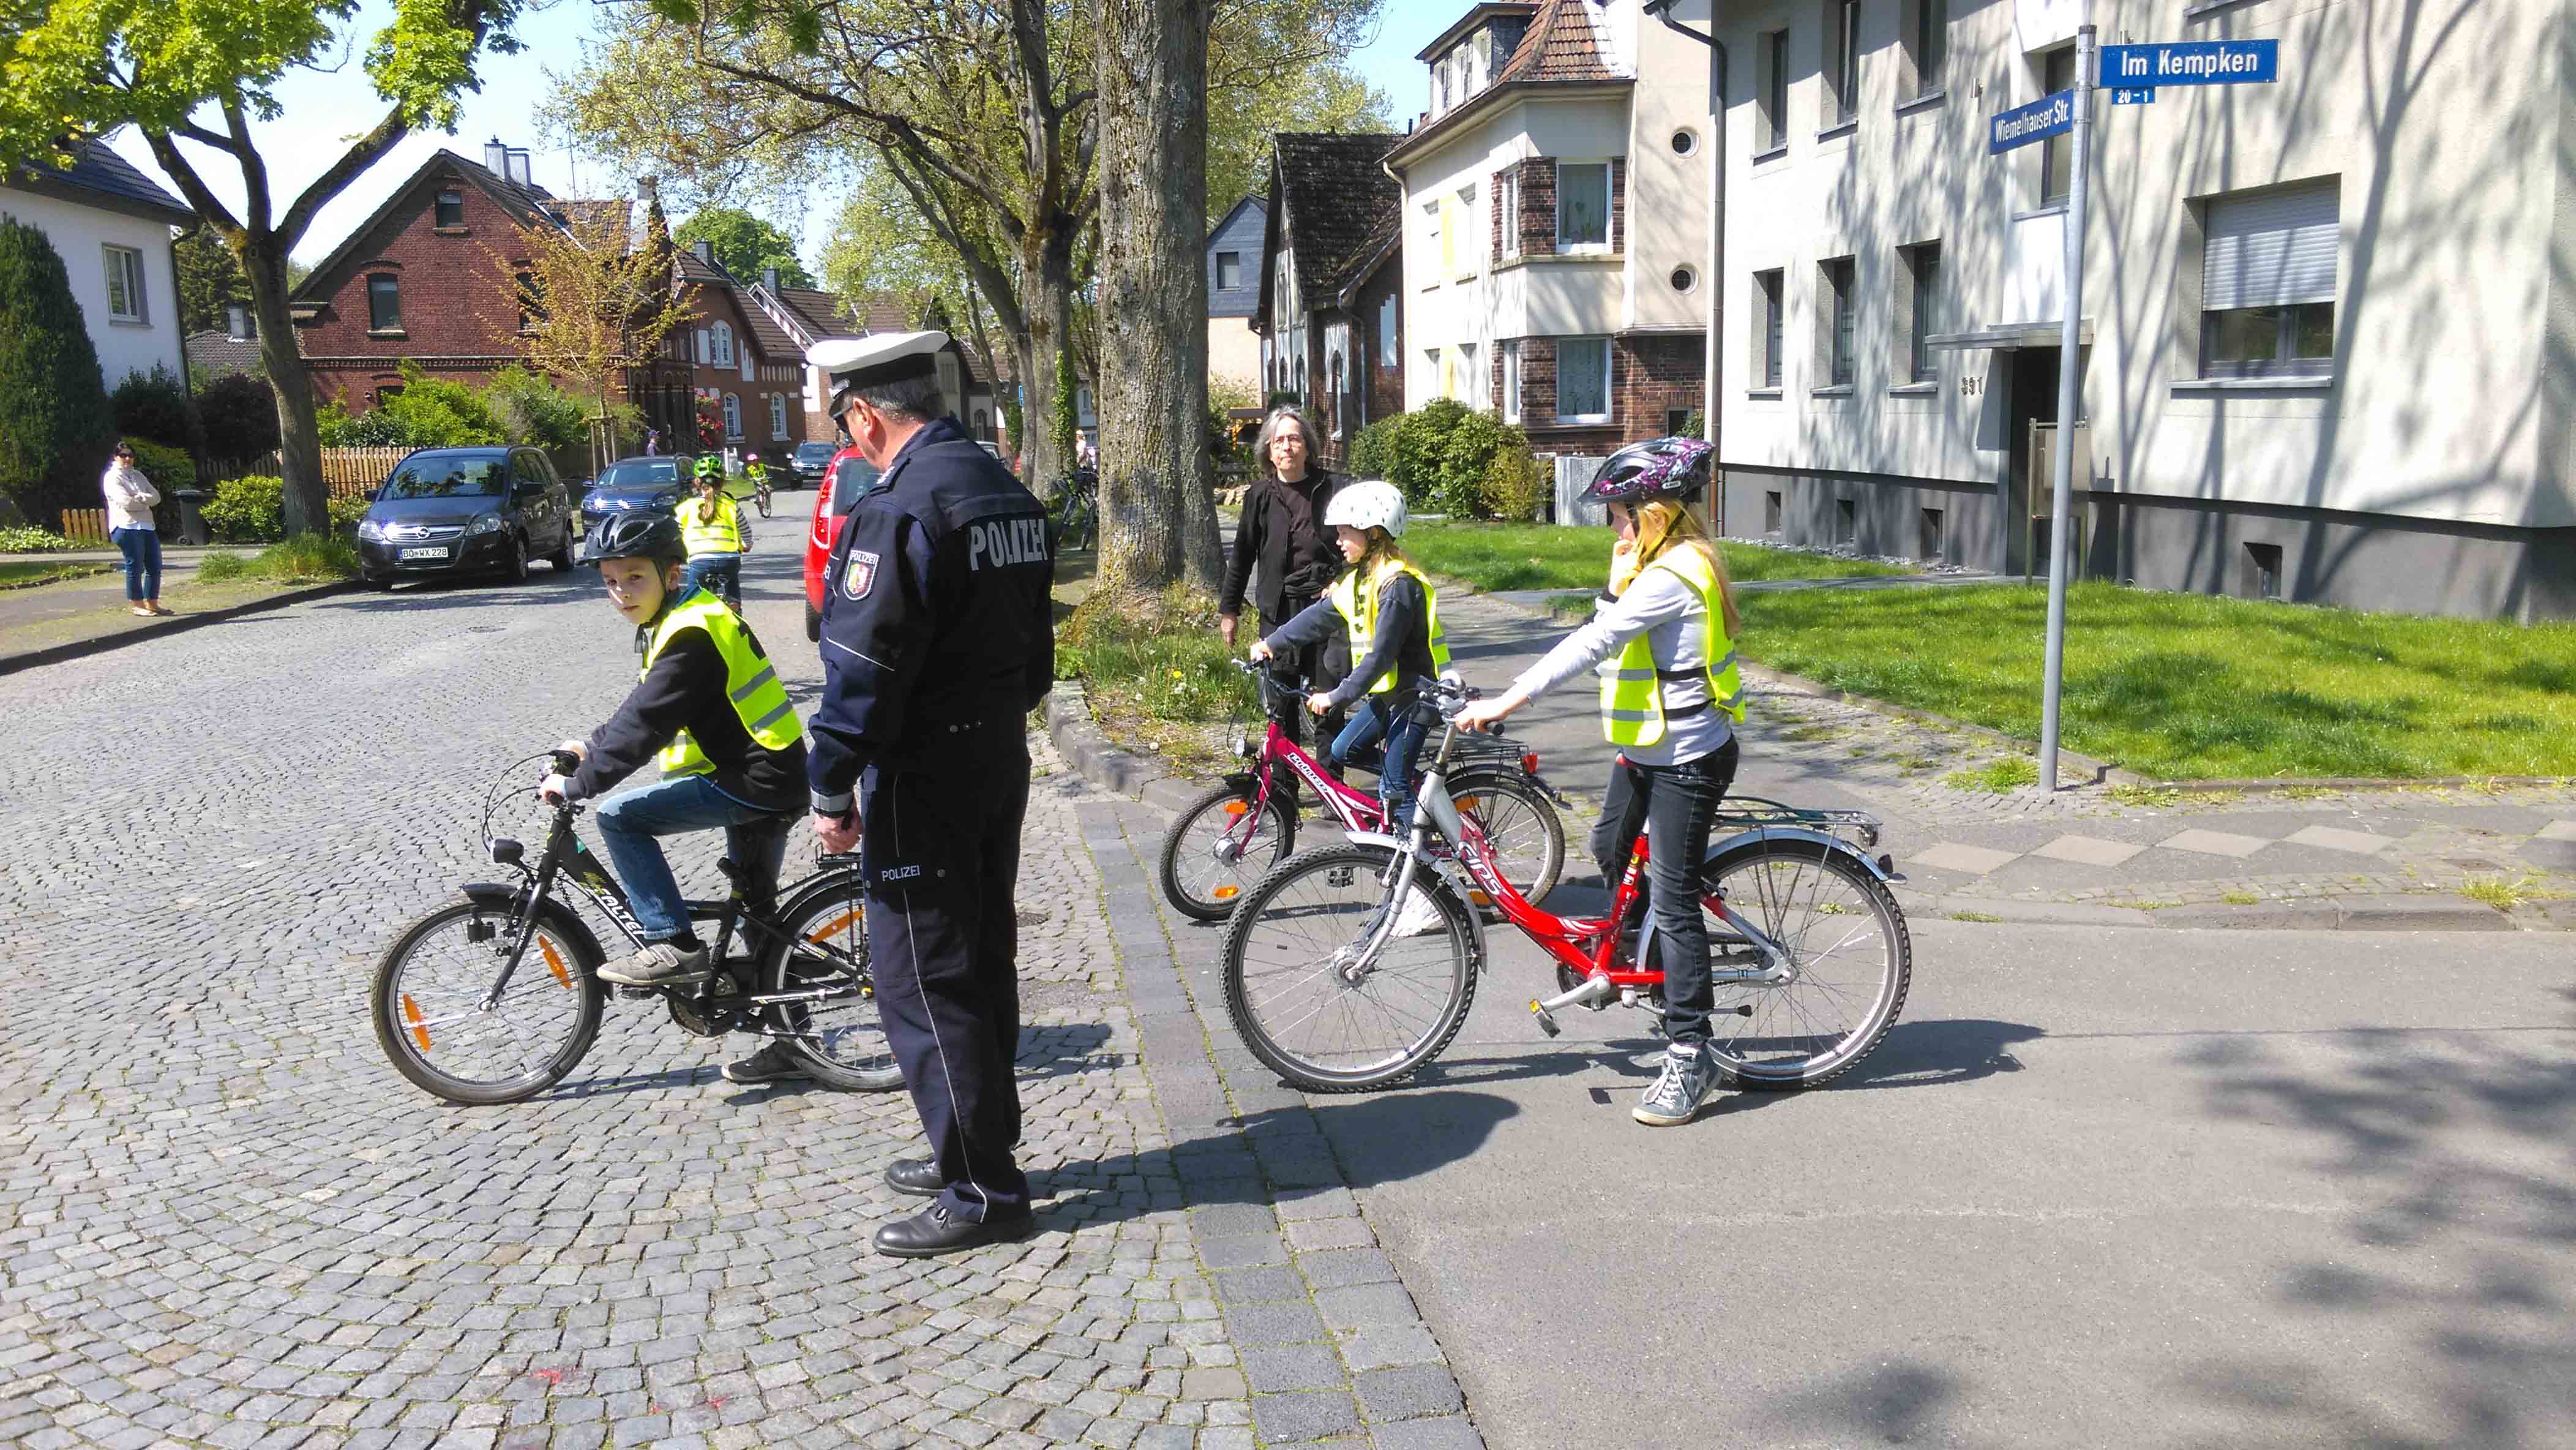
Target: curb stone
[
  {"x": 99, "y": 644},
  {"x": 2432, "y": 911},
  {"x": 1079, "y": 740}
]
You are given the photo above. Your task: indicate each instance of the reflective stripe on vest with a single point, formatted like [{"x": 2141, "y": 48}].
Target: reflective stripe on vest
[
  {"x": 720, "y": 535},
  {"x": 1632, "y": 694},
  {"x": 751, "y": 681},
  {"x": 1362, "y": 624}
]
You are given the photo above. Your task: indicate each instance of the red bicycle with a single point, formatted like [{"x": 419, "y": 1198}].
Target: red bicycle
[
  {"x": 1239, "y": 830},
  {"x": 1337, "y": 988}
]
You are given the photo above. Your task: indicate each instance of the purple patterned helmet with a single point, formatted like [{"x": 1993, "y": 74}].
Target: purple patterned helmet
[{"x": 1658, "y": 468}]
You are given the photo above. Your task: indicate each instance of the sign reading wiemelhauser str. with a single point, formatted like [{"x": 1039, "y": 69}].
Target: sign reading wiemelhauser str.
[
  {"x": 2052, "y": 115},
  {"x": 2192, "y": 63}
]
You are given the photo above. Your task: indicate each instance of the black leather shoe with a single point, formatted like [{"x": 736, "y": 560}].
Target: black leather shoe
[
  {"x": 918, "y": 1176},
  {"x": 932, "y": 1232}
]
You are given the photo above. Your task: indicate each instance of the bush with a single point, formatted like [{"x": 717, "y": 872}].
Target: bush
[
  {"x": 436, "y": 413},
  {"x": 1439, "y": 455},
  {"x": 248, "y": 510},
  {"x": 1465, "y": 455},
  {"x": 152, "y": 405},
  {"x": 168, "y": 468},
  {"x": 379, "y": 429},
  {"x": 23, "y": 540},
  {"x": 534, "y": 411},
  {"x": 346, "y": 510},
  {"x": 56, "y": 428},
  {"x": 1420, "y": 438},
  {"x": 1373, "y": 451},
  {"x": 238, "y": 415},
  {"x": 1515, "y": 485}
]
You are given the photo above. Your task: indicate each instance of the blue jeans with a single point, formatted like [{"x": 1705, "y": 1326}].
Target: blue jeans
[
  {"x": 1377, "y": 719},
  {"x": 719, "y": 575},
  {"x": 629, "y": 824},
  {"x": 142, "y": 551}
]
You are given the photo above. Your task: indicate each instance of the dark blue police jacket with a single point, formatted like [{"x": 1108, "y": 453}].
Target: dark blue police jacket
[{"x": 936, "y": 615}]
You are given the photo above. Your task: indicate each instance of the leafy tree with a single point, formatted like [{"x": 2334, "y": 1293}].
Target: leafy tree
[
  {"x": 210, "y": 280},
  {"x": 56, "y": 429},
  {"x": 745, "y": 244},
  {"x": 592, "y": 310},
  {"x": 202, "y": 74},
  {"x": 238, "y": 415},
  {"x": 153, "y": 405}
]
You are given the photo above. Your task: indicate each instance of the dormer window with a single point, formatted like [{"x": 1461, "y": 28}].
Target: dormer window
[{"x": 451, "y": 209}]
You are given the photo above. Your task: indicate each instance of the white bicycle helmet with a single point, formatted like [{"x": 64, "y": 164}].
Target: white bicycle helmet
[{"x": 1367, "y": 504}]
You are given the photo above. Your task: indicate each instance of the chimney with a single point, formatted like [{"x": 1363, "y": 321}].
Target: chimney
[
  {"x": 769, "y": 279},
  {"x": 496, "y": 157},
  {"x": 705, "y": 249},
  {"x": 518, "y": 167},
  {"x": 648, "y": 190}
]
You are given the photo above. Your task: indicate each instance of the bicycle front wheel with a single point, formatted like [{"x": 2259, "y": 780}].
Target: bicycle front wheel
[
  {"x": 429, "y": 1006},
  {"x": 1845, "y": 944},
  {"x": 836, "y": 1026},
  {"x": 1298, "y": 1002},
  {"x": 1522, "y": 830},
  {"x": 1213, "y": 854}
]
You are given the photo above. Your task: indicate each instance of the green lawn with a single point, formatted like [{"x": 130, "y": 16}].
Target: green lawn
[
  {"x": 1563, "y": 556},
  {"x": 2188, "y": 687},
  {"x": 42, "y": 571}
]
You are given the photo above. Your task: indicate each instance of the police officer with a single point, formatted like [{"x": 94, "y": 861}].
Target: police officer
[{"x": 937, "y": 642}]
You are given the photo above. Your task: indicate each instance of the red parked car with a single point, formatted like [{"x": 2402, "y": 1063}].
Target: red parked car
[{"x": 849, "y": 476}]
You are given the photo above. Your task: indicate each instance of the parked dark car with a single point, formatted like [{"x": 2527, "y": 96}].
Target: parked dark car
[
  {"x": 466, "y": 510},
  {"x": 811, "y": 461},
  {"x": 658, "y": 482}
]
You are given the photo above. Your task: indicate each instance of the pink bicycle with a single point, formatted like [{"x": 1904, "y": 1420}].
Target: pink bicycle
[{"x": 1229, "y": 838}]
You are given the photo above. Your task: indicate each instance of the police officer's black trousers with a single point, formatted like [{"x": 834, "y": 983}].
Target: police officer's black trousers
[{"x": 942, "y": 849}]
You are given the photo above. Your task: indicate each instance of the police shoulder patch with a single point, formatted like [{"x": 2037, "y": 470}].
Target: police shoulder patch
[{"x": 860, "y": 576}]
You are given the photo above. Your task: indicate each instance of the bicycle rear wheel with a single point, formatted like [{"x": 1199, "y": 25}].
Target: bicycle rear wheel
[
  {"x": 1846, "y": 944},
  {"x": 427, "y": 1001},
  {"x": 1199, "y": 881},
  {"x": 1520, "y": 825},
  {"x": 840, "y": 1034},
  {"x": 1297, "y": 1011}
]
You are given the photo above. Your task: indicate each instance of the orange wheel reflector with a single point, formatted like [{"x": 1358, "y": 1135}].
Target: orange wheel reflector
[
  {"x": 1469, "y": 803},
  {"x": 1227, "y": 893},
  {"x": 1236, "y": 808},
  {"x": 411, "y": 1014},
  {"x": 554, "y": 961},
  {"x": 1480, "y": 898},
  {"x": 833, "y": 927}
]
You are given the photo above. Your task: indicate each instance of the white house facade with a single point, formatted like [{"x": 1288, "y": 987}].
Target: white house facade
[{"x": 112, "y": 227}]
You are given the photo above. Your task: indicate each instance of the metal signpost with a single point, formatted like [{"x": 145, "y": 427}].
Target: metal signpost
[{"x": 2134, "y": 72}]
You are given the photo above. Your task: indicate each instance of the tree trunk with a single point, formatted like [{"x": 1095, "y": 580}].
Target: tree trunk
[
  {"x": 1157, "y": 521},
  {"x": 1048, "y": 300},
  {"x": 299, "y": 438}
]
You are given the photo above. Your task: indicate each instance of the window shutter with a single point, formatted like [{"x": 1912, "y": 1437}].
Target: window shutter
[{"x": 2273, "y": 249}]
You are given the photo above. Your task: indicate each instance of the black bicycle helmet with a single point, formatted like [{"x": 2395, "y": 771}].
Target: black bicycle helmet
[
  {"x": 654, "y": 536},
  {"x": 1657, "y": 468}
]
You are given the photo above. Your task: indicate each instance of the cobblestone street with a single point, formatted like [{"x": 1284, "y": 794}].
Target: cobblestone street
[{"x": 225, "y": 1221}]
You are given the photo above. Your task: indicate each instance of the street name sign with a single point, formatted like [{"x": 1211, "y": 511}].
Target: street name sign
[
  {"x": 2191, "y": 63},
  {"x": 2051, "y": 115}
]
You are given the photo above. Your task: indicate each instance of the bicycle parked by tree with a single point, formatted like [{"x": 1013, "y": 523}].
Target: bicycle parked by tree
[{"x": 1076, "y": 514}]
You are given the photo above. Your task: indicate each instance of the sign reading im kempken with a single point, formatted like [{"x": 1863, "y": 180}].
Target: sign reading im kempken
[{"x": 2192, "y": 63}]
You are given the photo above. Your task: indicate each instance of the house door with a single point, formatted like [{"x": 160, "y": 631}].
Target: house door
[{"x": 2034, "y": 400}]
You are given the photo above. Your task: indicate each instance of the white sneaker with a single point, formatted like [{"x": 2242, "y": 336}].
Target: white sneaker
[
  {"x": 659, "y": 964},
  {"x": 1420, "y": 916}
]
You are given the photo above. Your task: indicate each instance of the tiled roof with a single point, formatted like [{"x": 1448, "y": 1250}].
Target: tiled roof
[
  {"x": 1559, "y": 48},
  {"x": 527, "y": 205},
  {"x": 1334, "y": 201},
  {"x": 614, "y": 216},
  {"x": 766, "y": 334},
  {"x": 213, "y": 353},
  {"x": 826, "y": 314},
  {"x": 102, "y": 171}
]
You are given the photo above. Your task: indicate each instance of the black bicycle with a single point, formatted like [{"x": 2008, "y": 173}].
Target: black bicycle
[
  {"x": 495, "y": 998},
  {"x": 1076, "y": 523}
]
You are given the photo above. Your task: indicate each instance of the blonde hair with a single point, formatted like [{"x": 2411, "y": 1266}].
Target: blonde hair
[
  {"x": 1664, "y": 523},
  {"x": 1383, "y": 557}
]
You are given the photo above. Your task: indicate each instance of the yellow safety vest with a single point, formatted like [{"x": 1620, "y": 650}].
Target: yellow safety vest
[
  {"x": 751, "y": 681},
  {"x": 720, "y": 535},
  {"x": 1632, "y": 694},
  {"x": 1362, "y": 622}
]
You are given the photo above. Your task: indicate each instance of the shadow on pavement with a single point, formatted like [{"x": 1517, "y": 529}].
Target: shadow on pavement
[{"x": 1915, "y": 1054}]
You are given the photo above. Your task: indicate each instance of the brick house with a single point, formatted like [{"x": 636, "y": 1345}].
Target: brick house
[
  {"x": 1329, "y": 313},
  {"x": 806, "y": 316},
  {"x": 744, "y": 364},
  {"x": 1533, "y": 286}
]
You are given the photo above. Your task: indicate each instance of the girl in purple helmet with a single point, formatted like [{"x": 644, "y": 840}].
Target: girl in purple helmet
[{"x": 1663, "y": 640}]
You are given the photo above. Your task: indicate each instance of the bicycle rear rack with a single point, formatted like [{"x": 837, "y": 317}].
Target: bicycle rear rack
[{"x": 1752, "y": 813}]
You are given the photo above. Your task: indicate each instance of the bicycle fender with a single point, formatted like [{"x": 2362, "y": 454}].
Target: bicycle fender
[
  {"x": 1724, "y": 852},
  {"x": 504, "y": 897},
  {"x": 1446, "y": 871}
]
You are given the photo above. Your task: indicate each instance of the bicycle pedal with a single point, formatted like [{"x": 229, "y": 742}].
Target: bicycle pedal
[
  {"x": 633, "y": 994},
  {"x": 1546, "y": 1020}
]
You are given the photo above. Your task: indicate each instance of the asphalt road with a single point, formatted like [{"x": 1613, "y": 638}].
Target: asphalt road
[{"x": 2099, "y": 1187}]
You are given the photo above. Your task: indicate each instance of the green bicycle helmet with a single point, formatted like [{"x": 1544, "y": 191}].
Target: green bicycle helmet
[{"x": 710, "y": 466}]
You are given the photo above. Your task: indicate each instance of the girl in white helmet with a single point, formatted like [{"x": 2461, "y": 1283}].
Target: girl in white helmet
[{"x": 1387, "y": 608}]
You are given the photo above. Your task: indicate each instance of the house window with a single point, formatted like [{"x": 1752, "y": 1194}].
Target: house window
[
  {"x": 1452, "y": 221},
  {"x": 384, "y": 304},
  {"x": 720, "y": 343},
  {"x": 1771, "y": 511},
  {"x": 1842, "y": 59},
  {"x": 1472, "y": 385},
  {"x": 1846, "y": 522},
  {"x": 1927, "y": 42},
  {"x": 1775, "y": 90},
  {"x": 1341, "y": 392},
  {"x": 1922, "y": 268},
  {"x": 2267, "y": 282},
  {"x": 1838, "y": 316},
  {"x": 525, "y": 285},
  {"x": 1462, "y": 227},
  {"x": 2262, "y": 572},
  {"x": 2057, "y": 153},
  {"x": 1583, "y": 206},
  {"x": 1771, "y": 316},
  {"x": 1583, "y": 380},
  {"x": 1439, "y": 374},
  {"x": 778, "y": 415},
  {"x": 1434, "y": 245},
  {"x": 1507, "y": 213},
  {"x": 1388, "y": 355},
  {"x": 1930, "y": 544},
  {"x": 1512, "y": 381},
  {"x": 733, "y": 416},
  {"x": 1677, "y": 422},
  {"x": 1229, "y": 271},
  {"x": 451, "y": 209},
  {"x": 124, "y": 284},
  {"x": 704, "y": 355},
  {"x": 239, "y": 323}
]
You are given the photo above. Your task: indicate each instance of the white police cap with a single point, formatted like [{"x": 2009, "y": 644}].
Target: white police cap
[{"x": 867, "y": 362}]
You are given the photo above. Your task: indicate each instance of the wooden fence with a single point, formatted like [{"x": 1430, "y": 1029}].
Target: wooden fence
[
  {"x": 85, "y": 526},
  {"x": 351, "y": 472}
]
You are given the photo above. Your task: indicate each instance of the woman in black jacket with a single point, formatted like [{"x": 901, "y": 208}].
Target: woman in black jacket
[{"x": 1282, "y": 533}]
